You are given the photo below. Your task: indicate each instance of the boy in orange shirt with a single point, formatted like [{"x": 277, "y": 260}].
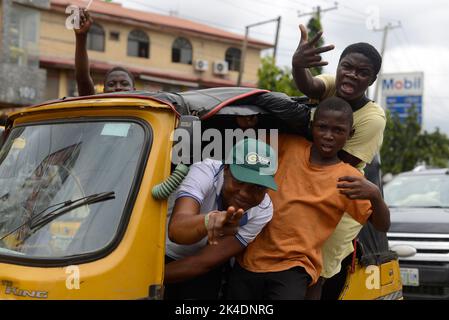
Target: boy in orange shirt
[{"x": 285, "y": 258}]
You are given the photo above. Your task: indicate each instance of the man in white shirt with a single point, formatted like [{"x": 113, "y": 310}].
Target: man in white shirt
[{"x": 225, "y": 204}]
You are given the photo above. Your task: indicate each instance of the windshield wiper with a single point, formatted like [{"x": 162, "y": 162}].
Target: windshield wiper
[{"x": 37, "y": 221}]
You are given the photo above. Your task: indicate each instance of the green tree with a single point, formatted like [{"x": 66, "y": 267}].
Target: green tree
[
  {"x": 273, "y": 78},
  {"x": 405, "y": 145},
  {"x": 314, "y": 26}
]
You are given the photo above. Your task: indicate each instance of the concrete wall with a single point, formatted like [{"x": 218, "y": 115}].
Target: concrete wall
[
  {"x": 20, "y": 85},
  {"x": 24, "y": 86},
  {"x": 1, "y": 30}
]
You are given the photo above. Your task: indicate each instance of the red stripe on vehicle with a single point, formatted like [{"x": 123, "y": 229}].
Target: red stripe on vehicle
[{"x": 227, "y": 102}]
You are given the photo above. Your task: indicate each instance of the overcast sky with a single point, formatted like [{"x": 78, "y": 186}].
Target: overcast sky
[{"x": 420, "y": 44}]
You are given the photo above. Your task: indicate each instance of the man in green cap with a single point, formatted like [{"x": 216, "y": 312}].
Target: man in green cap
[{"x": 219, "y": 209}]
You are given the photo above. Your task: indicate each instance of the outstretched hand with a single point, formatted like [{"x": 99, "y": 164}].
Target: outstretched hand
[
  {"x": 86, "y": 22},
  {"x": 355, "y": 187},
  {"x": 307, "y": 55},
  {"x": 223, "y": 223}
]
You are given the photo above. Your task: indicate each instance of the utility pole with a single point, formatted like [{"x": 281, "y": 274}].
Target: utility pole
[
  {"x": 317, "y": 11},
  {"x": 385, "y": 30},
  {"x": 245, "y": 45},
  {"x": 276, "y": 41}
]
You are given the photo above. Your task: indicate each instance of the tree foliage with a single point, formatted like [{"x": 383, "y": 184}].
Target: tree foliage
[
  {"x": 405, "y": 146},
  {"x": 273, "y": 78},
  {"x": 314, "y": 26}
]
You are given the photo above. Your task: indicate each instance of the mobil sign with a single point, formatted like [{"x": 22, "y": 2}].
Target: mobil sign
[{"x": 401, "y": 91}]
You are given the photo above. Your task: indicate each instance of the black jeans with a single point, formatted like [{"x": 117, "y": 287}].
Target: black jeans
[
  {"x": 203, "y": 287},
  {"x": 314, "y": 292},
  {"x": 283, "y": 285}
]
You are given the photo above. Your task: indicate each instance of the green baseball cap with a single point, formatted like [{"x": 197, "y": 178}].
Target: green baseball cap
[{"x": 253, "y": 161}]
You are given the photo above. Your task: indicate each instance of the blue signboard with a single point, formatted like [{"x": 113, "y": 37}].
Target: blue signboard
[{"x": 401, "y": 104}]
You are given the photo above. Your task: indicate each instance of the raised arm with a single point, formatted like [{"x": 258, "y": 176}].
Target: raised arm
[
  {"x": 82, "y": 71},
  {"x": 307, "y": 56},
  {"x": 360, "y": 188}
]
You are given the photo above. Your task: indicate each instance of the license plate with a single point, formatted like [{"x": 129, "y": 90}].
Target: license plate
[{"x": 410, "y": 277}]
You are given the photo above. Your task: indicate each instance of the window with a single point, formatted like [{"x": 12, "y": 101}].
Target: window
[
  {"x": 95, "y": 38},
  {"x": 138, "y": 44},
  {"x": 24, "y": 36},
  {"x": 232, "y": 57},
  {"x": 52, "y": 87},
  {"x": 114, "y": 36},
  {"x": 181, "y": 51}
]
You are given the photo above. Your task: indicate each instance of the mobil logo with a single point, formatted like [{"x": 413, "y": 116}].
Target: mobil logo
[{"x": 403, "y": 83}]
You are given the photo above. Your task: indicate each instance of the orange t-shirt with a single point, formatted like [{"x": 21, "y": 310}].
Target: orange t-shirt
[{"x": 307, "y": 208}]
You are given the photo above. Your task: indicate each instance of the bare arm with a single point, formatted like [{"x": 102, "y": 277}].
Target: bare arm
[
  {"x": 204, "y": 261},
  {"x": 380, "y": 218},
  {"x": 360, "y": 188},
  {"x": 82, "y": 70},
  {"x": 307, "y": 83},
  {"x": 187, "y": 225},
  {"x": 307, "y": 56}
]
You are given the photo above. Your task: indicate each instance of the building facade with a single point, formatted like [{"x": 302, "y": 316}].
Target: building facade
[
  {"x": 22, "y": 81},
  {"x": 164, "y": 52}
]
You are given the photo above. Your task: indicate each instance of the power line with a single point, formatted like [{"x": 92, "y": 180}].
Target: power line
[
  {"x": 317, "y": 11},
  {"x": 185, "y": 16},
  {"x": 360, "y": 13},
  {"x": 211, "y": 23},
  {"x": 405, "y": 52},
  {"x": 243, "y": 8},
  {"x": 298, "y": 2},
  {"x": 277, "y": 5},
  {"x": 404, "y": 34},
  {"x": 147, "y": 5},
  {"x": 337, "y": 19}
]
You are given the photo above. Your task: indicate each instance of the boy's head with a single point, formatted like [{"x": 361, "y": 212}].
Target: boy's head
[
  {"x": 332, "y": 126},
  {"x": 119, "y": 79},
  {"x": 247, "y": 122},
  {"x": 357, "y": 69},
  {"x": 248, "y": 173}
]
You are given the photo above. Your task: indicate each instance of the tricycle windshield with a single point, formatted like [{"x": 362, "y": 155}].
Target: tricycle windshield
[{"x": 46, "y": 168}]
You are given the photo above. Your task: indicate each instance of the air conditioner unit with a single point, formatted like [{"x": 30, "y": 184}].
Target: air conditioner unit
[
  {"x": 201, "y": 65},
  {"x": 221, "y": 67}
]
